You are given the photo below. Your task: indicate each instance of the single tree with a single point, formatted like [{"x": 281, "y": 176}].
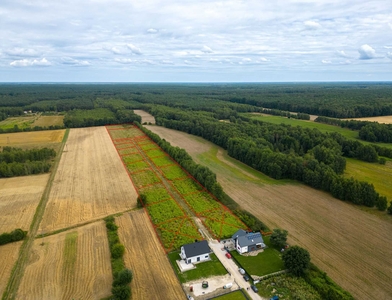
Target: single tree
[
  {"x": 279, "y": 237},
  {"x": 296, "y": 260}
]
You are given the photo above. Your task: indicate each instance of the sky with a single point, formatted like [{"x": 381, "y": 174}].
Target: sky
[{"x": 195, "y": 41}]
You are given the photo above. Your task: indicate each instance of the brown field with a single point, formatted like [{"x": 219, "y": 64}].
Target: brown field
[
  {"x": 70, "y": 265},
  {"x": 19, "y": 199},
  {"x": 352, "y": 246},
  {"x": 8, "y": 256},
  {"x": 153, "y": 276},
  {"x": 91, "y": 181},
  {"x": 146, "y": 117},
  {"x": 382, "y": 119},
  {"x": 45, "y": 138},
  {"x": 46, "y": 121}
]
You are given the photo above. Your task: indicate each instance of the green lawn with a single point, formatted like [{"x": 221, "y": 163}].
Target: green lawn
[
  {"x": 237, "y": 295},
  {"x": 203, "y": 270},
  {"x": 264, "y": 263},
  {"x": 371, "y": 172}
]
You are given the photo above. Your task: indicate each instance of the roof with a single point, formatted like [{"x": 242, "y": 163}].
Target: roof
[
  {"x": 251, "y": 238},
  {"x": 196, "y": 249},
  {"x": 238, "y": 233}
]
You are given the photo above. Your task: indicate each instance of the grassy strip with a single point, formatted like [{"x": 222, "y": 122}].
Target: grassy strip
[
  {"x": 20, "y": 265},
  {"x": 70, "y": 252},
  {"x": 122, "y": 276}
]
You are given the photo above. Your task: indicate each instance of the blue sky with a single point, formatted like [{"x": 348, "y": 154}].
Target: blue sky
[{"x": 195, "y": 41}]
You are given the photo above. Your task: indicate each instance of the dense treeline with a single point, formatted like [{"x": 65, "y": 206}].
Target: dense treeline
[
  {"x": 13, "y": 236},
  {"x": 18, "y": 162},
  {"x": 16, "y": 128},
  {"x": 277, "y": 112},
  {"x": 6, "y": 112},
  {"x": 282, "y": 151},
  {"x": 206, "y": 177},
  {"x": 368, "y": 131}
]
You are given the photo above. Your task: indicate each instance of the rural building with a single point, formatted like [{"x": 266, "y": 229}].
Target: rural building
[
  {"x": 247, "y": 241},
  {"x": 195, "y": 252}
]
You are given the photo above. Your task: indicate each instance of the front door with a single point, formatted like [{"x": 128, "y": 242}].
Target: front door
[{"x": 198, "y": 258}]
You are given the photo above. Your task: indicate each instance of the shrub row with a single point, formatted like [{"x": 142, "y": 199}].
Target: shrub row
[
  {"x": 122, "y": 276},
  {"x": 13, "y": 236},
  {"x": 206, "y": 177}
]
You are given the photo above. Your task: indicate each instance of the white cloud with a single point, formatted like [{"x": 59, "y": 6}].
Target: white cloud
[
  {"x": 74, "y": 62},
  {"x": 263, "y": 59},
  {"x": 389, "y": 55},
  {"x": 206, "y": 49},
  {"x": 312, "y": 25},
  {"x": 22, "y": 52},
  {"x": 167, "y": 62},
  {"x": 30, "y": 62},
  {"x": 341, "y": 53},
  {"x": 152, "y": 30},
  {"x": 134, "y": 49},
  {"x": 124, "y": 60},
  {"x": 119, "y": 50},
  {"x": 326, "y": 61},
  {"x": 366, "y": 52}
]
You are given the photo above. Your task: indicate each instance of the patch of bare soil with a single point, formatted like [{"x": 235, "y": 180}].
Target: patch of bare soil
[
  {"x": 8, "y": 255},
  {"x": 352, "y": 246},
  {"x": 146, "y": 117},
  {"x": 381, "y": 119}
]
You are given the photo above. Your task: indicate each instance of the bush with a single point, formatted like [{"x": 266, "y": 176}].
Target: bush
[
  {"x": 121, "y": 292},
  {"x": 117, "y": 250},
  {"x": 296, "y": 260},
  {"x": 389, "y": 210},
  {"x": 124, "y": 277},
  {"x": 13, "y": 236},
  {"x": 111, "y": 226},
  {"x": 279, "y": 237},
  {"x": 382, "y": 203}
]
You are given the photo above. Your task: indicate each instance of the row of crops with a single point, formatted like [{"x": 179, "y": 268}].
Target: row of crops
[{"x": 147, "y": 164}]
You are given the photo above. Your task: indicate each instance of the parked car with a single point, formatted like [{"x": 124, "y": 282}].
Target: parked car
[
  {"x": 254, "y": 288},
  {"x": 275, "y": 298},
  {"x": 242, "y": 271},
  {"x": 246, "y": 277},
  {"x": 228, "y": 255}
]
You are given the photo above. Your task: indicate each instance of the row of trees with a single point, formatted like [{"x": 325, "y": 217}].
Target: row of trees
[
  {"x": 12, "y": 154},
  {"x": 13, "y": 236}
]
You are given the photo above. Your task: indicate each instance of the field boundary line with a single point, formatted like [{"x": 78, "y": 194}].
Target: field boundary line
[{"x": 20, "y": 265}]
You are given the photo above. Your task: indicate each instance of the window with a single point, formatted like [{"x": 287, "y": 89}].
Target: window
[{"x": 206, "y": 256}]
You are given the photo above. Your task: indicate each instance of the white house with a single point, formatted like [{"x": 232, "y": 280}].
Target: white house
[
  {"x": 195, "y": 252},
  {"x": 247, "y": 241}
]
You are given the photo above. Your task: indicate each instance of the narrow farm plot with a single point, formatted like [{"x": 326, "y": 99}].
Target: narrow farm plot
[
  {"x": 47, "y": 138},
  {"x": 90, "y": 183},
  {"x": 46, "y": 121},
  {"x": 19, "y": 199},
  {"x": 8, "y": 256},
  {"x": 146, "y": 117},
  {"x": 73, "y": 264},
  {"x": 153, "y": 276},
  {"x": 349, "y": 244},
  {"x": 381, "y": 119}
]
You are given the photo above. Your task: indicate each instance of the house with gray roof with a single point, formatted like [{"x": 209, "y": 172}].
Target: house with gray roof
[
  {"x": 247, "y": 241},
  {"x": 195, "y": 252}
]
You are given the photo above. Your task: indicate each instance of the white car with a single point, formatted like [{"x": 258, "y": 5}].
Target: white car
[{"x": 242, "y": 271}]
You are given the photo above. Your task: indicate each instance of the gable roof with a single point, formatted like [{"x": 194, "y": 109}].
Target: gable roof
[
  {"x": 238, "y": 233},
  {"x": 196, "y": 249},
  {"x": 251, "y": 238}
]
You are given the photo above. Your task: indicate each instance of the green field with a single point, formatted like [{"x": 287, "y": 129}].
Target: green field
[
  {"x": 204, "y": 269},
  {"x": 237, "y": 295},
  {"x": 379, "y": 175},
  {"x": 21, "y": 122},
  {"x": 267, "y": 262},
  {"x": 350, "y": 134}
]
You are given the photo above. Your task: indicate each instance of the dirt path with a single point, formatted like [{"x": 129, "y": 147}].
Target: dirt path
[
  {"x": 352, "y": 246},
  {"x": 146, "y": 117}
]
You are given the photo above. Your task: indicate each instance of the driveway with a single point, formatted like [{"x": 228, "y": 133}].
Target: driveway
[{"x": 232, "y": 267}]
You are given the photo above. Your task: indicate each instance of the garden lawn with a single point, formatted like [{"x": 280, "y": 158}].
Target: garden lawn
[
  {"x": 264, "y": 263},
  {"x": 203, "y": 270},
  {"x": 236, "y": 295}
]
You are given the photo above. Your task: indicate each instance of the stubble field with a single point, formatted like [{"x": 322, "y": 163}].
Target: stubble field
[
  {"x": 351, "y": 245},
  {"x": 32, "y": 139},
  {"x": 8, "y": 256},
  {"x": 154, "y": 278},
  {"x": 90, "y": 183},
  {"x": 19, "y": 199},
  {"x": 70, "y": 265}
]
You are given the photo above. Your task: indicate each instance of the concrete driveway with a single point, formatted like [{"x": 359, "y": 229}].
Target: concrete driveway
[{"x": 232, "y": 268}]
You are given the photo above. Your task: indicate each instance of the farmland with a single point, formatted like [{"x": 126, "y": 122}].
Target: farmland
[
  {"x": 19, "y": 199},
  {"x": 32, "y": 139},
  {"x": 70, "y": 265},
  {"x": 46, "y": 121},
  {"x": 342, "y": 239},
  {"x": 381, "y": 119},
  {"x": 145, "y": 256},
  {"x": 8, "y": 256},
  {"x": 21, "y": 122},
  {"x": 90, "y": 182}
]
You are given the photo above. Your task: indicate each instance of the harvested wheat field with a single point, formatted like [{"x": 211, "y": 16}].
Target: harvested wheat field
[
  {"x": 352, "y": 246},
  {"x": 146, "y": 117},
  {"x": 73, "y": 264},
  {"x": 153, "y": 276},
  {"x": 19, "y": 199},
  {"x": 32, "y": 139},
  {"x": 8, "y": 256},
  {"x": 381, "y": 119},
  {"x": 46, "y": 121},
  {"x": 91, "y": 182}
]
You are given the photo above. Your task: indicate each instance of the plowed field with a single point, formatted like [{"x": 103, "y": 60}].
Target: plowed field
[
  {"x": 153, "y": 276},
  {"x": 70, "y": 265},
  {"x": 32, "y": 139},
  {"x": 19, "y": 197},
  {"x": 351, "y": 245},
  {"x": 91, "y": 181},
  {"x": 8, "y": 256}
]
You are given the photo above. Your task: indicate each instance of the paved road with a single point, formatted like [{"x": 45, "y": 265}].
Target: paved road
[{"x": 232, "y": 267}]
